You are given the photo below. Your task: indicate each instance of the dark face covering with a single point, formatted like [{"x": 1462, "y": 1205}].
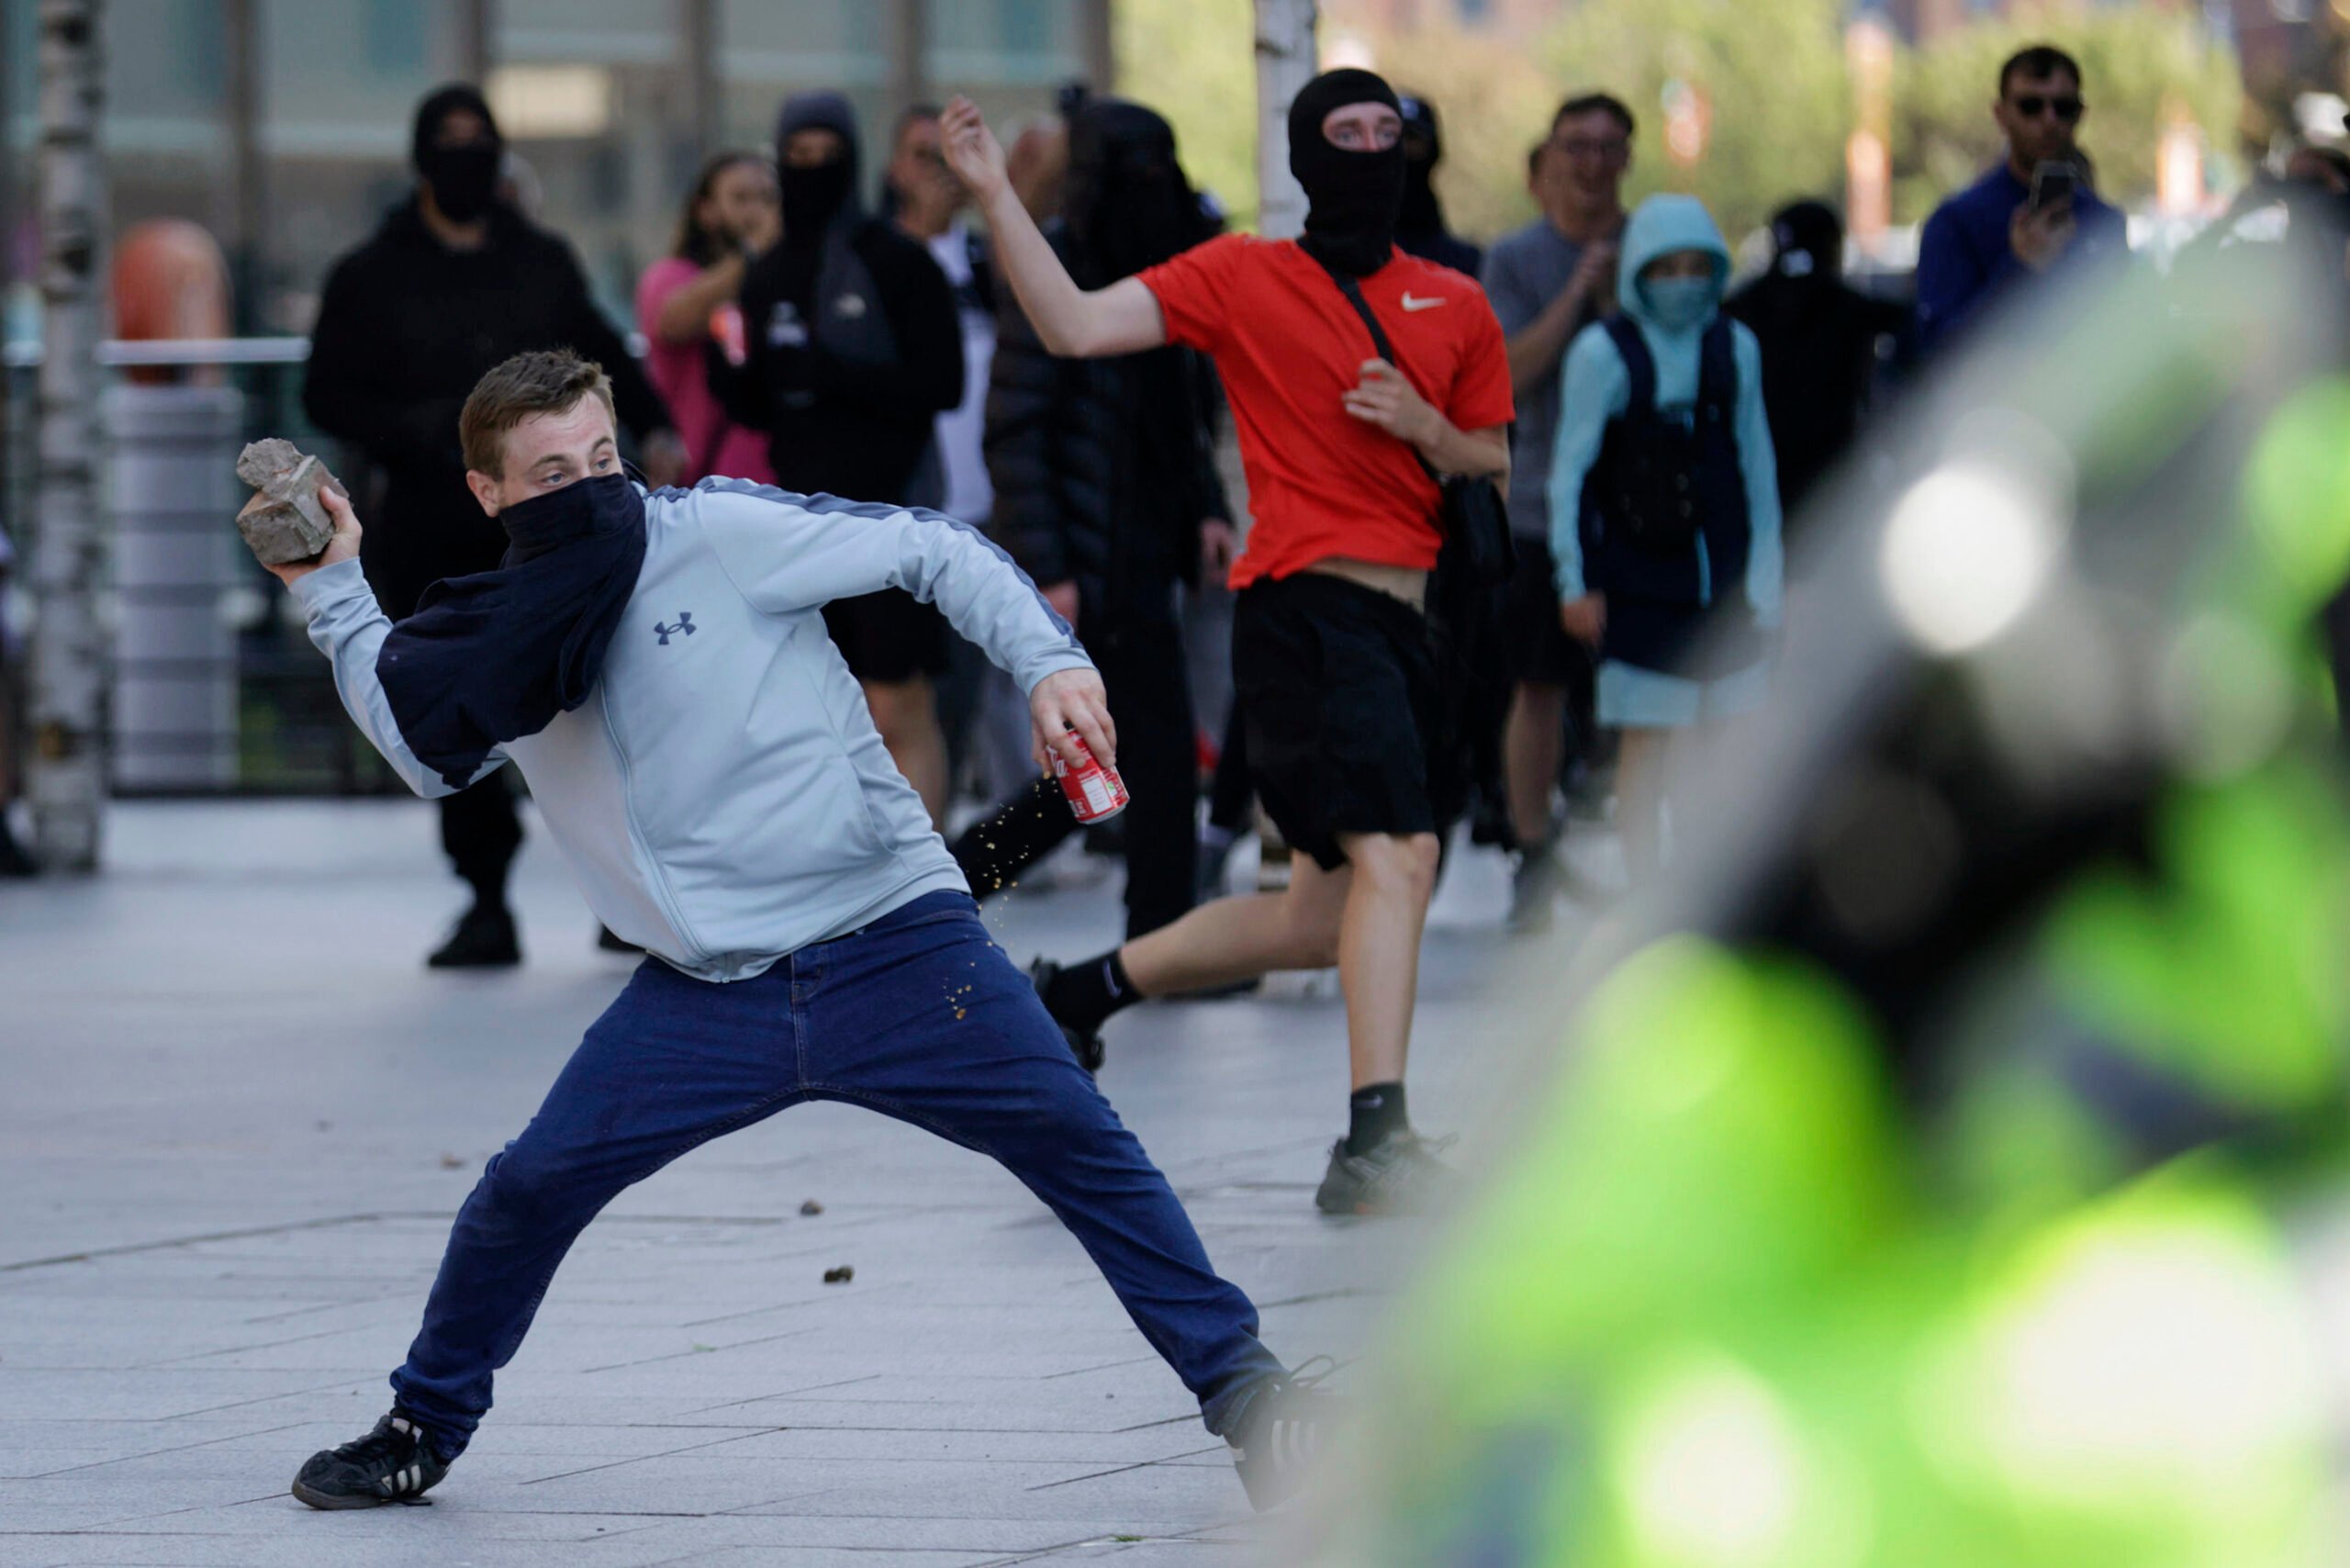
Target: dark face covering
[
  {"x": 463, "y": 180},
  {"x": 495, "y": 657},
  {"x": 1423, "y": 147},
  {"x": 1808, "y": 245},
  {"x": 813, "y": 200},
  {"x": 812, "y": 197},
  {"x": 1128, "y": 204},
  {"x": 1353, "y": 199}
]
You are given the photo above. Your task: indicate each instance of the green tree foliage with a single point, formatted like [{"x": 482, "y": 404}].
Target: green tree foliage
[
  {"x": 1772, "y": 74},
  {"x": 1196, "y": 63}
]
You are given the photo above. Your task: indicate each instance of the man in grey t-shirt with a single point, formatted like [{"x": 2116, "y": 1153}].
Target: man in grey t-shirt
[{"x": 1547, "y": 281}]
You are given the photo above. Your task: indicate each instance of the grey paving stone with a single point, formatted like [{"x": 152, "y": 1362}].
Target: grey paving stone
[{"x": 251, "y": 1171}]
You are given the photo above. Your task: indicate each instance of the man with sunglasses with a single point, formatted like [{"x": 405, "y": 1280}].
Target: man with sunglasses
[{"x": 2007, "y": 228}]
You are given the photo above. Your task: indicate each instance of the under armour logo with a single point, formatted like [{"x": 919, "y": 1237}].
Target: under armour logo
[{"x": 685, "y": 624}]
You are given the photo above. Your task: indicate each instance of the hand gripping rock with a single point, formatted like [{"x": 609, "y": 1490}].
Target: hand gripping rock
[{"x": 285, "y": 522}]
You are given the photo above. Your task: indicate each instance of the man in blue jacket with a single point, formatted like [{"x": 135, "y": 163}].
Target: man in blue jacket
[
  {"x": 657, "y": 667},
  {"x": 1992, "y": 235}
]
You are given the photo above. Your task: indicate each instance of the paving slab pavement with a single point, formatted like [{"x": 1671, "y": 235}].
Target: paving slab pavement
[{"x": 240, "y": 1113}]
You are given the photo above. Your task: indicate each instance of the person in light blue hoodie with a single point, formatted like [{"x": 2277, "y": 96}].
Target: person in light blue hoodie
[
  {"x": 656, "y": 664},
  {"x": 1665, "y": 506}
]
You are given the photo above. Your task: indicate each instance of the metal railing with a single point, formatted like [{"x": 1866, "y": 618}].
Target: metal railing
[{"x": 216, "y": 689}]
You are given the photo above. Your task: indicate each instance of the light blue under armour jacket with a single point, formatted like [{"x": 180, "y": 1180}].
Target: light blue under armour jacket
[{"x": 723, "y": 795}]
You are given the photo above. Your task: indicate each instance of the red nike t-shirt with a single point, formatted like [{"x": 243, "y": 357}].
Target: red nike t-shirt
[{"x": 1289, "y": 346}]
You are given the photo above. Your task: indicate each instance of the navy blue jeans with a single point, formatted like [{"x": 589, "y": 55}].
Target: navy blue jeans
[{"x": 918, "y": 1016}]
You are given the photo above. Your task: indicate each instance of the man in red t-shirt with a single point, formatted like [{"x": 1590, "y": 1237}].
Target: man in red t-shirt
[{"x": 1330, "y": 649}]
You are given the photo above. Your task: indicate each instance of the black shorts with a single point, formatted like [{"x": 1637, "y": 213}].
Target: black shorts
[
  {"x": 1338, "y": 702},
  {"x": 888, "y": 637},
  {"x": 1536, "y": 647}
]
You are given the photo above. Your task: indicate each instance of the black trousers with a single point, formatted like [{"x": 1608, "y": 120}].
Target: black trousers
[
  {"x": 1231, "y": 795},
  {"x": 1142, "y": 669},
  {"x": 480, "y": 832}
]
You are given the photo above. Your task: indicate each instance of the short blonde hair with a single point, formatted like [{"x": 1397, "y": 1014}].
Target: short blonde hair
[{"x": 543, "y": 381}]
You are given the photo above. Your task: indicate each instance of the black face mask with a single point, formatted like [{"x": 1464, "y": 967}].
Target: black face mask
[
  {"x": 1353, "y": 199},
  {"x": 584, "y": 509},
  {"x": 1144, "y": 220},
  {"x": 1128, "y": 201},
  {"x": 463, "y": 180},
  {"x": 811, "y": 197},
  {"x": 492, "y": 657}
]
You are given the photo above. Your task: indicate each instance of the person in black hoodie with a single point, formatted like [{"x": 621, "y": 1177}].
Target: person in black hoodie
[
  {"x": 1106, "y": 493},
  {"x": 854, "y": 348},
  {"x": 454, "y": 282},
  {"x": 1820, "y": 340},
  {"x": 1419, "y": 228}
]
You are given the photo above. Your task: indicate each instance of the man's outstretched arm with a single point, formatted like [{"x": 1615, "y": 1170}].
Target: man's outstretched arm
[
  {"x": 787, "y": 553},
  {"x": 349, "y": 627},
  {"x": 1073, "y": 323}
]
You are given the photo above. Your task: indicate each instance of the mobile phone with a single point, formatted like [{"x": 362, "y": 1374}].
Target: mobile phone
[{"x": 2052, "y": 184}]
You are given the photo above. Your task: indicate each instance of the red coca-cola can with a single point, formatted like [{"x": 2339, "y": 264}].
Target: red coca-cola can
[
  {"x": 726, "y": 326},
  {"x": 1095, "y": 790}
]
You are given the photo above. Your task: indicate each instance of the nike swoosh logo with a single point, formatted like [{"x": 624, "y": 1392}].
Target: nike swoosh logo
[{"x": 1412, "y": 304}]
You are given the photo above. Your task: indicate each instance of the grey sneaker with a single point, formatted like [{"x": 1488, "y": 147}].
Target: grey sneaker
[
  {"x": 394, "y": 1463},
  {"x": 1534, "y": 889},
  {"x": 1400, "y": 1176}
]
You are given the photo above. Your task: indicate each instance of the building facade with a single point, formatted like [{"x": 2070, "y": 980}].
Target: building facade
[{"x": 282, "y": 126}]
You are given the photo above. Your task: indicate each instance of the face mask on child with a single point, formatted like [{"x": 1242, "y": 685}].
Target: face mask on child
[{"x": 1679, "y": 303}]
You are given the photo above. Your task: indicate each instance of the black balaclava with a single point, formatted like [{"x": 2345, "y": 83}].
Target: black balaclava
[
  {"x": 1423, "y": 147},
  {"x": 463, "y": 180},
  {"x": 813, "y": 200},
  {"x": 1808, "y": 244},
  {"x": 1352, "y": 198},
  {"x": 1127, "y": 203}
]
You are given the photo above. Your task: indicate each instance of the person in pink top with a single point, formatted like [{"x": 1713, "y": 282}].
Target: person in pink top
[{"x": 730, "y": 217}]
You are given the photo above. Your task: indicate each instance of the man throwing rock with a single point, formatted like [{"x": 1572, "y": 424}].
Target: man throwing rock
[{"x": 656, "y": 665}]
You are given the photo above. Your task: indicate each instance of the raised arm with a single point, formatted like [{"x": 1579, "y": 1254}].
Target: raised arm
[
  {"x": 1072, "y": 322},
  {"x": 787, "y": 553}
]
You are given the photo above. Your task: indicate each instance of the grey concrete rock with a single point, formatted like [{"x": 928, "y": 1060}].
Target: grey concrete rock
[{"x": 284, "y": 522}]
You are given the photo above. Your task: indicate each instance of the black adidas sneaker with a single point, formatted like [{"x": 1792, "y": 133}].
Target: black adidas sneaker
[
  {"x": 1281, "y": 1432},
  {"x": 394, "y": 1463},
  {"x": 1084, "y": 1045}
]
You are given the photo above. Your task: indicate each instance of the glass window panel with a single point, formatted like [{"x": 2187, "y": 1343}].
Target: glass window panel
[
  {"x": 768, "y": 49},
  {"x": 1035, "y": 44},
  {"x": 340, "y": 80},
  {"x": 610, "y": 32}
]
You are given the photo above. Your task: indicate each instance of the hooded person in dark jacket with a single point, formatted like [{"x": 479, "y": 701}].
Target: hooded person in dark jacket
[
  {"x": 1419, "y": 228},
  {"x": 853, "y": 348},
  {"x": 454, "y": 282},
  {"x": 1106, "y": 494},
  {"x": 1820, "y": 339}
]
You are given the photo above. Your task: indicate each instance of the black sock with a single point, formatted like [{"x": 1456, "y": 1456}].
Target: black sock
[
  {"x": 1375, "y": 1114},
  {"x": 1083, "y": 994}
]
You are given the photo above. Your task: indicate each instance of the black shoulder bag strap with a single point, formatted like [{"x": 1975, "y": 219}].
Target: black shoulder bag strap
[
  {"x": 1353, "y": 291},
  {"x": 1639, "y": 367},
  {"x": 1717, "y": 371},
  {"x": 1469, "y": 508}
]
